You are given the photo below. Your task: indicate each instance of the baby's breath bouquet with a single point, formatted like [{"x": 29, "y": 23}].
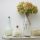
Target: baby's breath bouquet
[{"x": 27, "y": 9}]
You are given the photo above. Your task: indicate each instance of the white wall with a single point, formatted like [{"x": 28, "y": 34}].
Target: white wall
[{"x": 8, "y": 8}]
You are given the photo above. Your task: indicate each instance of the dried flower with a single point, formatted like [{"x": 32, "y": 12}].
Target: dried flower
[{"x": 27, "y": 8}]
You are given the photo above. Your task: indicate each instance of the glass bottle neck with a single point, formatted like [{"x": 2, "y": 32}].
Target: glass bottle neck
[{"x": 9, "y": 21}]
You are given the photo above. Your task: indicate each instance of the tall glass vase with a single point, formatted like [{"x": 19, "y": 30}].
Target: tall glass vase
[{"x": 27, "y": 26}]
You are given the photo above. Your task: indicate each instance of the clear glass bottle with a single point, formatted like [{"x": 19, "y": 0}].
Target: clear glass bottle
[
  {"x": 8, "y": 29},
  {"x": 17, "y": 32}
]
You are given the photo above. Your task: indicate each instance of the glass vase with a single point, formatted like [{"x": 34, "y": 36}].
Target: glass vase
[{"x": 27, "y": 26}]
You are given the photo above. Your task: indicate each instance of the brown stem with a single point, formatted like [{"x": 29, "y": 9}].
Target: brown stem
[{"x": 28, "y": 19}]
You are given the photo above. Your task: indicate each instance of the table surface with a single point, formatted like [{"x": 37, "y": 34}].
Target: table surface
[{"x": 5, "y": 37}]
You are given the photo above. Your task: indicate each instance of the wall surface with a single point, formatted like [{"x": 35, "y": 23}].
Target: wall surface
[{"x": 8, "y": 8}]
